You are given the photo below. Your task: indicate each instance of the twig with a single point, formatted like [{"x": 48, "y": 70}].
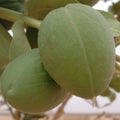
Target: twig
[
  {"x": 47, "y": 118},
  {"x": 116, "y": 73},
  {"x": 117, "y": 66},
  {"x": 117, "y": 58},
  {"x": 26, "y": 116},
  {"x": 13, "y": 16},
  {"x": 61, "y": 108},
  {"x": 11, "y": 112},
  {"x": 117, "y": 41},
  {"x": 17, "y": 115},
  {"x": 99, "y": 116}
]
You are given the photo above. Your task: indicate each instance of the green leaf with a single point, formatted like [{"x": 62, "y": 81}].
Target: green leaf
[
  {"x": 5, "y": 40},
  {"x": 19, "y": 44},
  {"x": 112, "y": 21},
  {"x": 110, "y": 94}
]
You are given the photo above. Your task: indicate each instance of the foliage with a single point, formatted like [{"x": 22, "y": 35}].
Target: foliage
[
  {"x": 115, "y": 9},
  {"x": 76, "y": 54}
]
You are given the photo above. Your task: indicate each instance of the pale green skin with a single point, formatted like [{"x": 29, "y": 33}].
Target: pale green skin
[
  {"x": 77, "y": 49},
  {"x": 28, "y": 87},
  {"x": 40, "y": 8}
]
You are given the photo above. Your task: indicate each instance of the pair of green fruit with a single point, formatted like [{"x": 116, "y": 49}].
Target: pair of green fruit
[{"x": 77, "y": 50}]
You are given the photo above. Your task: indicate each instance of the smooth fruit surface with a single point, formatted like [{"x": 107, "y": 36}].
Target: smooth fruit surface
[
  {"x": 77, "y": 49},
  {"x": 28, "y": 87}
]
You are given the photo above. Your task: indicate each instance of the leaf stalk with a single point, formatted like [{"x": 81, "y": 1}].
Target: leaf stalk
[{"x": 13, "y": 16}]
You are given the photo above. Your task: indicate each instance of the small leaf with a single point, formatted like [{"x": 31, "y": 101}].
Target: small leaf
[
  {"x": 19, "y": 44},
  {"x": 110, "y": 94},
  {"x": 112, "y": 21},
  {"x": 5, "y": 40}
]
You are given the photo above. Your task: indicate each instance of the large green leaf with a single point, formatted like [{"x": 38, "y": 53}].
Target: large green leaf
[
  {"x": 5, "y": 40},
  {"x": 19, "y": 44},
  {"x": 112, "y": 21}
]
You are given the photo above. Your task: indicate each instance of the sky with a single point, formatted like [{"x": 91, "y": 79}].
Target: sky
[{"x": 104, "y": 5}]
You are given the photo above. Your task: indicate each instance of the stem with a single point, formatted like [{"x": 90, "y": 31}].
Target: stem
[
  {"x": 117, "y": 66},
  {"x": 117, "y": 41},
  {"x": 10, "y": 110},
  {"x": 61, "y": 108},
  {"x": 99, "y": 116},
  {"x": 17, "y": 115},
  {"x": 117, "y": 58},
  {"x": 13, "y": 16}
]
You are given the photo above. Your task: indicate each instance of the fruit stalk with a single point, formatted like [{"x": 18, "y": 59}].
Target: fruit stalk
[
  {"x": 61, "y": 108},
  {"x": 13, "y": 16},
  {"x": 11, "y": 112},
  {"x": 117, "y": 58},
  {"x": 117, "y": 66},
  {"x": 117, "y": 41}
]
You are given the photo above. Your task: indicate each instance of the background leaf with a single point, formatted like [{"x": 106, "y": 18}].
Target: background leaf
[
  {"x": 112, "y": 21},
  {"x": 110, "y": 94}
]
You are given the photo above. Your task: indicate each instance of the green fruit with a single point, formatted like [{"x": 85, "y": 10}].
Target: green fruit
[
  {"x": 28, "y": 87},
  {"x": 115, "y": 83},
  {"x": 77, "y": 49},
  {"x": 40, "y": 8},
  {"x": 88, "y": 2}
]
